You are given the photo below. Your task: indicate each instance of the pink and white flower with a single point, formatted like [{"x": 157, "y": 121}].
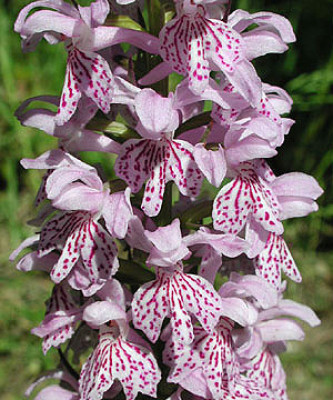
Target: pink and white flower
[
  {"x": 246, "y": 197},
  {"x": 76, "y": 190},
  {"x": 157, "y": 156},
  {"x": 88, "y": 74},
  {"x": 211, "y": 362},
  {"x": 192, "y": 44},
  {"x": 219, "y": 345},
  {"x": 73, "y": 135},
  {"x": 60, "y": 319},
  {"x": 120, "y": 355},
  {"x": 173, "y": 294}
]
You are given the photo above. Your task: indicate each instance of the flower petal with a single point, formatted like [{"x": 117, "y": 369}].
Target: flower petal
[
  {"x": 46, "y": 21},
  {"x": 66, "y": 176},
  {"x": 250, "y": 286},
  {"x": 87, "y": 73},
  {"x": 155, "y": 186},
  {"x": 70, "y": 96},
  {"x": 106, "y": 36},
  {"x": 150, "y": 307},
  {"x": 54, "y": 392},
  {"x": 297, "y": 193},
  {"x": 290, "y": 307},
  {"x": 117, "y": 212},
  {"x": 176, "y": 295},
  {"x": 269, "y": 43},
  {"x": 166, "y": 238},
  {"x": 101, "y": 312},
  {"x": 148, "y": 105},
  {"x": 60, "y": 319},
  {"x": 274, "y": 258},
  {"x": 211, "y": 163},
  {"x": 280, "y": 329},
  {"x": 267, "y": 370},
  {"x": 98, "y": 252},
  {"x": 136, "y": 160},
  {"x": 134, "y": 366},
  {"x": 55, "y": 231},
  {"x": 96, "y": 13},
  {"x": 182, "y": 169},
  {"x": 244, "y": 196}
]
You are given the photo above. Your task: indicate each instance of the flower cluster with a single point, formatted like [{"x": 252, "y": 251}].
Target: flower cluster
[{"x": 138, "y": 260}]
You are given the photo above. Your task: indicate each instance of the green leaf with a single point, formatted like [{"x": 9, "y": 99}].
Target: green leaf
[
  {"x": 123, "y": 21},
  {"x": 194, "y": 122},
  {"x": 133, "y": 273},
  {"x": 201, "y": 210},
  {"x": 156, "y": 17},
  {"x": 117, "y": 185},
  {"x": 117, "y": 131}
]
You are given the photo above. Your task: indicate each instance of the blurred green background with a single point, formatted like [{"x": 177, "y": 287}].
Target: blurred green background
[{"x": 306, "y": 71}]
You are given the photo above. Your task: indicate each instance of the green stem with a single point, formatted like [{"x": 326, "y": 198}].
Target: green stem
[
  {"x": 156, "y": 22},
  {"x": 132, "y": 272},
  {"x": 155, "y": 17},
  {"x": 70, "y": 369},
  {"x": 165, "y": 216},
  {"x": 197, "y": 212},
  {"x": 75, "y": 4},
  {"x": 227, "y": 11}
]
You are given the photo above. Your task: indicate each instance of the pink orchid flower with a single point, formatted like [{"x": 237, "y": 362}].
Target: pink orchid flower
[
  {"x": 87, "y": 73},
  {"x": 121, "y": 353},
  {"x": 76, "y": 189},
  {"x": 211, "y": 362},
  {"x": 267, "y": 370},
  {"x": 73, "y": 135},
  {"x": 173, "y": 294},
  {"x": 246, "y": 196},
  {"x": 268, "y": 327},
  {"x": 157, "y": 156},
  {"x": 192, "y": 44},
  {"x": 60, "y": 319},
  {"x": 296, "y": 194},
  {"x": 263, "y": 120}
]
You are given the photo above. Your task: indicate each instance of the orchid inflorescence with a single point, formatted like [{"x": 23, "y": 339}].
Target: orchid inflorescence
[{"x": 160, "y": 290}]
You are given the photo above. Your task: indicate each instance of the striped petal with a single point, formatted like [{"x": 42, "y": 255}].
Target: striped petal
[
  {"x": 177, "y": 296},
  {"x": 116, "y": 359},
  {"x": 155, "y": 187},
  {"x": 162, "y": 161},
  {"x": 87, "y": 73},
  {"x": 275, "y": 258},
  {"x": 60, "y": 319},
  {"x": 77, "y": 235},
  {"x": 211, "y": 352},
  {"x": 267, "y": 370},
  {"x": 182, "y": 169},
  {"x": 136, "y": 160},
  {"x": 56, "y": 231},
  {"x": 98, "y": 252},
  {"x": 246, "y": 195}
]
